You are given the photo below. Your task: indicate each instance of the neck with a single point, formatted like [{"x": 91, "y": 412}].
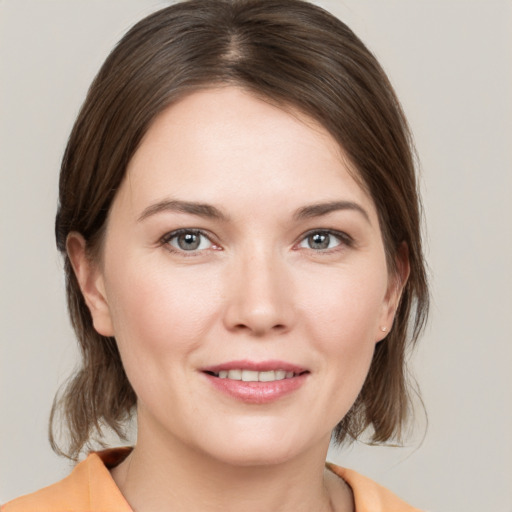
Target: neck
[{"x": 170, "y": 476}]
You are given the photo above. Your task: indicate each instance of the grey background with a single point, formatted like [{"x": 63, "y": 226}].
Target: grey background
[{"x": 451, "y": 64}]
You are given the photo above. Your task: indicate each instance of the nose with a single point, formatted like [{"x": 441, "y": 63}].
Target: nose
[{"x": 260, "y": 296}]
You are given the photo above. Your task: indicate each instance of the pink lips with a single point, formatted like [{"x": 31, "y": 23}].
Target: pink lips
[
  {"x": 256, "y": 392},
  {"x": 255, "y": 366}
]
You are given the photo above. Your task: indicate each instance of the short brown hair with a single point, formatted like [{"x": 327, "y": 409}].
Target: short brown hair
[{"x": 288, "y": 52}]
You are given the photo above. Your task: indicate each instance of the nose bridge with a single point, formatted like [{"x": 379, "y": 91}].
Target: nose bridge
[{"x": 259, "y": 300}]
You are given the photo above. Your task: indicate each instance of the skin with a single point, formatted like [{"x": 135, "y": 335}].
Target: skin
[{"x": 255, "y": 289}]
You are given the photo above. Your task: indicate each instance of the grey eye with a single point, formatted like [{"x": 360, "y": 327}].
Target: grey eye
[
  {"x": 320, "y": 240},
  {"x": 190, "y": 241}
]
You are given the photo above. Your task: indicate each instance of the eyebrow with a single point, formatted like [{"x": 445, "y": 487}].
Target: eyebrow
[
  {"x": 320, "y": 209},
  {"x": 169, "y": 205},
  {"x": 211, "y": 212}
]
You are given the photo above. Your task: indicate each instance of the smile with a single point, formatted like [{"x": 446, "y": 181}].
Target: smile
[
  {"x": 256, "y": 382},
  {"x": 255, "y": 376}
]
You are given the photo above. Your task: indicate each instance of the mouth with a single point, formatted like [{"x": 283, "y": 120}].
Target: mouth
[
  {"x": 255, "y": 376},
  {"x": 256, "y": 383}
]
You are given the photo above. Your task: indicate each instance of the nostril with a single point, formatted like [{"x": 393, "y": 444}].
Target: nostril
[
  {"x": 247, "y": 314},
  {"x": 259, "y": 329}
]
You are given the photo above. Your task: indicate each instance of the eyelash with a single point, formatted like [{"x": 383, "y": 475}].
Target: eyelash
[
  {"x": 166, "y": 241},
  {"x": 344, "y": 239}
]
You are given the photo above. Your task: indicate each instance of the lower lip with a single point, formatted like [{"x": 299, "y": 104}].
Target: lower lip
[{"x": 257, "y": 392}]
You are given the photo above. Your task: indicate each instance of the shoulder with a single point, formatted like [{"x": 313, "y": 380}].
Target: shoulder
[
  {"x": 68, "y": 494},
  {"x": 369, "y": 496},
  {"x": 88, "y": 487}
]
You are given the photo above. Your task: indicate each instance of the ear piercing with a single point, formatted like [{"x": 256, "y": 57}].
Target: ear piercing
[{"x": 383, "y": 329}]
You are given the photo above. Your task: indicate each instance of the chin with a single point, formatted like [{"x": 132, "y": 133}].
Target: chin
[{"x": 262, "y": 446}]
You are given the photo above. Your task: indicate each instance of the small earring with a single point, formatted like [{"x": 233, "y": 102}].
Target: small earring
[{"x": 383, "y": 329}]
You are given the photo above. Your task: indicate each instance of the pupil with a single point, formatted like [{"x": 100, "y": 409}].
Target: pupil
[
  {"x": 319, "y": 241},
  {"x": 188, "y": 242}
]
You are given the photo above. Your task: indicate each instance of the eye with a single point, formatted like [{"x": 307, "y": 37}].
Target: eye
[
  {"x": 324, "y": 240},
  {"x": 188, "y": 240}
]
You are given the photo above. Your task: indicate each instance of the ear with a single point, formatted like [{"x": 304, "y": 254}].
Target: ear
[
  {"x": 91, "y": 282},
  {"x": 397, "y": 281}
]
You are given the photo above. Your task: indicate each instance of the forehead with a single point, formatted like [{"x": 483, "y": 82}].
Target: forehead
[{"x": 225, "y": 144}]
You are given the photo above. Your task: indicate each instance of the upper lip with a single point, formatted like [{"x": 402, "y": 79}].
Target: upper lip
[{"x": 258, "y": 366}]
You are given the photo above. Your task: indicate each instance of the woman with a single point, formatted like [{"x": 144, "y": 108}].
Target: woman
[{"x": 240, "y": 226}]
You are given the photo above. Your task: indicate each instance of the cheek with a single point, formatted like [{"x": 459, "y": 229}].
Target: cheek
[
  {"x": 342, "y": 321},
  {"x": 157, "y": 310},
  {"x": 346, "y": 306}
]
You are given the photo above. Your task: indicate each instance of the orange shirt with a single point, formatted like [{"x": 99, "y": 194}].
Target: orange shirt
[{"x": 91, "y": 488}]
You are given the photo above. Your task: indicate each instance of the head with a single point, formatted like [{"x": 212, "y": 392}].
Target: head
[{"x": 292, "y": 56}]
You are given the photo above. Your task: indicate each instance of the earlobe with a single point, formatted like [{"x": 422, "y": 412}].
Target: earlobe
[
  {"x": 90, "y": 280},
  {"x": 397, "y": 282}
]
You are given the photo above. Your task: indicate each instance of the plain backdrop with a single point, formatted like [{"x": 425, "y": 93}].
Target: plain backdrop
[{"x": 451, "y": 64}]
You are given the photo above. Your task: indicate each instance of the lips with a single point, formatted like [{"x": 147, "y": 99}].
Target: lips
[
  {"x": 256, "y": 382},
  {"x": 255, "y": 376}
]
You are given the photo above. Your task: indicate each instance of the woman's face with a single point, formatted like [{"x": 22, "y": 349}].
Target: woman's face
[{"x": 244, "y": 277}]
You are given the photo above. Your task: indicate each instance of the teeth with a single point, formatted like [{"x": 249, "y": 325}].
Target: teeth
[
  {"x": 254, "y": 376},
  {"x": 267, "y": 376},
  {"x": 235, "y": 374},
  {"x": 249, "y": 376}
]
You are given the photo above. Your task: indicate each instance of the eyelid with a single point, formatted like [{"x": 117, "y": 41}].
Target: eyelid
[
  {"x": 164, "y": 240},
  {"x": 345, "y": 239}
]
